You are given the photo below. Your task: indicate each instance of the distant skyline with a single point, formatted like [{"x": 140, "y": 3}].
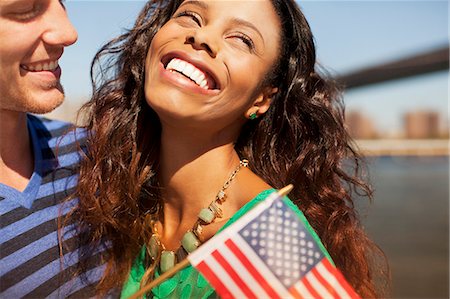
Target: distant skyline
[{"x": 349, "y": 35}]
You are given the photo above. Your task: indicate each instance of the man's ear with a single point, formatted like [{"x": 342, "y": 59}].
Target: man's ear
[{"x": 261, "y": 103}]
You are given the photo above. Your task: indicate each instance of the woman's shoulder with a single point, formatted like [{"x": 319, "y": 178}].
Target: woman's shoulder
[{"x": 261, "y": 196}]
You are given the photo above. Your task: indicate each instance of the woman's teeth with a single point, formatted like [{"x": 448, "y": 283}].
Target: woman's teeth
[
  {"x": 189, "y": 71},
  {"x": 47, "y": 66}
]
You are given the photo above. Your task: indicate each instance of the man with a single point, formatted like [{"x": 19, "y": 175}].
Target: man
[{"x": 36, "y": 156}]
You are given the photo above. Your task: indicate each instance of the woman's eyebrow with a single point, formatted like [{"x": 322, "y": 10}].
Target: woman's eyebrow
[
  {"x": 241, "y": 22},
  {"x": 200, "y": 4}
]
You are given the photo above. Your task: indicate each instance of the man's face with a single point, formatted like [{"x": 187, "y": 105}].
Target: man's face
[{"x": 33, "y": 34}]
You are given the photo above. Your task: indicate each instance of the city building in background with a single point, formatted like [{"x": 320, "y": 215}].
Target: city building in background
[
  {"x": 417, "y": 124},
  {"x": 422, "y": 124},
  {"x": 359, "y": 125}
]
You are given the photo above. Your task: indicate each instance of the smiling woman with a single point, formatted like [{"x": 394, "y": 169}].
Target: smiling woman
[{"x": 211, "y": 105}]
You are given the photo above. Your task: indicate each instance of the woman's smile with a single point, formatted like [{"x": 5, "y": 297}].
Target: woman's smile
[
  {"x": 182, "y": 67},
  {"x": 188, "y": 72}
]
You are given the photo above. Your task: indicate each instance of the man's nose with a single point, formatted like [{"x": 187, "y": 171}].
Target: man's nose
[{"x": 60, "y": 30}]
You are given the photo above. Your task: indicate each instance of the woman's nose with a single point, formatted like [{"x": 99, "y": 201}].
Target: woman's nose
[{"x": 202, "y": 41}]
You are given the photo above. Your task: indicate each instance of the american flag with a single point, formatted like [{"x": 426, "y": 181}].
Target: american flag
[{"x": 270, "y": 253}]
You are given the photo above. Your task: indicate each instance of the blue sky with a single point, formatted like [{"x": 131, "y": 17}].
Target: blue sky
[{"x": 349, "y": 35}]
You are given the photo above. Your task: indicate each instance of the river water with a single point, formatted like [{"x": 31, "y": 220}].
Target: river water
[{"x": 409, "y": 220}]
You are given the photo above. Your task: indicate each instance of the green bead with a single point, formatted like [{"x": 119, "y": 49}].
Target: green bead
[
  {"x": 154, "y": 246},
  {"x": 190, "y": 242},
  {"x": 167, "y": 260},
  {"x": 206, "y": 215}
]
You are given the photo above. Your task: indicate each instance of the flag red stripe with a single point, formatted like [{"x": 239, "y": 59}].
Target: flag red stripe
[
  {"x": 324, "y": 283},
  {"x": 227, "y": 267},
  {"x": 251, "y": 269},
  {"x": 310, "y": 288},
  {"x": 340, "y": 278},
  {"x": 295, "y": 293},
  {"x": 220, "y": 288}
]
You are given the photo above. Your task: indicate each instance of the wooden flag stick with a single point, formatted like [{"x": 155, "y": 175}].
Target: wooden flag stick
[
  {"x": 184, "y": 263},
  {"x": 181, "y": 265},
  {"x": 285, "y": 190}
]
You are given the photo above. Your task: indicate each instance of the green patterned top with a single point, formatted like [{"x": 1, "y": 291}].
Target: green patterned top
[{"x": 189, "y": 283}]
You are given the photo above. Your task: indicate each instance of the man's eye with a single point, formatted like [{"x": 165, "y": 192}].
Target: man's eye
[{"x": 27, "y": 13}]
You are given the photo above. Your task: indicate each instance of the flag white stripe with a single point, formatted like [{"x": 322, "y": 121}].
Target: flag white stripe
[
  {"x": 300, "y": 287},
  {"x": 320, "y": 289},
  {"x": 206, "y": 249},
  {"x": 224, "y": 277},
  {"x": 328, "y": 276},
  {"x": 243, "y": 273},
  {"x": 261, "y": 267}
]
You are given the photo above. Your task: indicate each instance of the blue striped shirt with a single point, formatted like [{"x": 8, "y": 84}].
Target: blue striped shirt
[{"x": 30, "y": 261}]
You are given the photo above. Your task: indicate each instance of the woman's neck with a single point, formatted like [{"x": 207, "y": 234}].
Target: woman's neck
[{"x": 192, "y": 170}]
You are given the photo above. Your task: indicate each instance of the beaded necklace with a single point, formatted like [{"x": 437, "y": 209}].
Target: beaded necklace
[{"x": 166, "y": 259}]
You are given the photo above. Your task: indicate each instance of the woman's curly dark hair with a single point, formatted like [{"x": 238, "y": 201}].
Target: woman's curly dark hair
[{"x": 300, "y": 140}]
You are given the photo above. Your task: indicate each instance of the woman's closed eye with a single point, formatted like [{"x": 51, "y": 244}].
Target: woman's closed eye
[
  {"x": 189, "y": 16},
  {"x": 245, "y": 39}
]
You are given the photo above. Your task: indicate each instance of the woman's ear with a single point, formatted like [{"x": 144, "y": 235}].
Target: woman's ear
[{"x": 262, "y": 103}]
